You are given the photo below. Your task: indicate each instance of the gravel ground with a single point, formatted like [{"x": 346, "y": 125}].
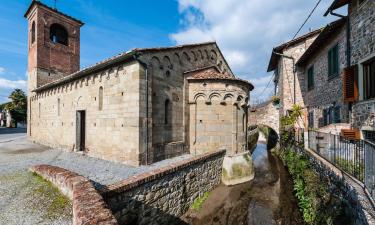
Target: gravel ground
[{"x": 17, "y": 155}]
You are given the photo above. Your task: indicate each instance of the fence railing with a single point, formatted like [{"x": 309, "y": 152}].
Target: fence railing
[{"x": 356, "y": 157}]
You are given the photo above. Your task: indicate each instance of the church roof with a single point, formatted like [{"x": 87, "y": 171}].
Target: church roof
[
  {"x": 125, "y": 56},
  {"x": 213, "y": 73},
  {"x": 37, "y": 2}
]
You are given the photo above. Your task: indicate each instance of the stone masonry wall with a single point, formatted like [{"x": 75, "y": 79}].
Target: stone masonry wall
[
  {"x": 112, "y": 133},
  {"x": 286, "y": 76},
  {"x": 266, "y": 114},
  {"x": 218, "y": 116},
  {"x": 358, "y": 203},
  {"x": 362, "y": 42},
  {"x": 163, "y": 195},
  {"x": 326, "y": 91},
  {"x": 166, "y": 69}
]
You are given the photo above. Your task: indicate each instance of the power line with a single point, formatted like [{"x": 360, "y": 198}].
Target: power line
[{"x": 295, "y": 35}]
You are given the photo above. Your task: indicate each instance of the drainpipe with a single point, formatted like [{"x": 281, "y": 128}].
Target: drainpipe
[
  {"x": 348, "y": 49},
  {"x": 294, "y": 73},
  {"x": 146, "y": 71}
]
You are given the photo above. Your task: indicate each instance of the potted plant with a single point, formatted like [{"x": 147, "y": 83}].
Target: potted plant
[{"x": 276, "y": 100}]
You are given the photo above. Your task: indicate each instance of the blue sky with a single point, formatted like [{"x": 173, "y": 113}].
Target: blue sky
[{"x": 245, "y": 30}]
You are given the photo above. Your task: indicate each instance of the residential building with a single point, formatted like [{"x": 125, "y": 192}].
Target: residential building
[
  {"x": 288, "y": 84},
  {"x": 359, "y": 76},
  {"x": 322, "y": 67}
]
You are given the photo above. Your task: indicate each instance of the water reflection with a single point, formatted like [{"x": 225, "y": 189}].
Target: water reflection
[{"x": 268, "y": 199}]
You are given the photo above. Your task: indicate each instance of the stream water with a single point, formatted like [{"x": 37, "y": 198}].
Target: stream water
[{"x": 266, "y": 200}]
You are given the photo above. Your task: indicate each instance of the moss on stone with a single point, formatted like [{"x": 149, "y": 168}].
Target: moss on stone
[
  {"x": 57, "y": 201},
  {"x": 240, "y": 170},
  {"x": 198, "y": 202}
]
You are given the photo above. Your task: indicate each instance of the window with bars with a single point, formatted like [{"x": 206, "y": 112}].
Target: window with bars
[
  {"x": 333, "y": 61},
  {"x": 311, "y": 119},
  {"x": 310, "y": 78},
  {"x": 369, "y": 79}
]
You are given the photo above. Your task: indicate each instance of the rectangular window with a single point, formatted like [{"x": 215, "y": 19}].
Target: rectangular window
[
  {"x": 310, "y": 78},
  {"x": 333, "y": 61},
  {"x": 369, "y": 135},
  {"x": 325, "y": 117},
  {"x": 369, "y": 79},
  {"x": 311, "y": 119}
]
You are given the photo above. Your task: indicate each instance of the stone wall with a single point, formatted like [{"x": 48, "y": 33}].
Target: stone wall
[
  {"x": 266, "y": 114},
  {"x": 89, "y": 207},
  {"x": 344, "y": 186},
  {"x": 112, "y": 132},
  {"x": 218, "y": 116},
  {"x": 163, "y": 195},
  {"x": 286, "y": 76},
  {"x": 362, "y": 44},
  {"x": 327, "y": 92},
  {"x": 166, "y": 68}
]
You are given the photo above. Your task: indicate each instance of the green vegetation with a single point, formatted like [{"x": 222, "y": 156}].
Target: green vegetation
[
  {"x": 58, "y": 202},
  {"x": 358, "y": 170},
  {"x": 17, "y": 107},
  {"x": 318, "y": 205},
  {"x": 198, "y": 202}
]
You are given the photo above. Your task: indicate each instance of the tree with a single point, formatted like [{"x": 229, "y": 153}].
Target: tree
[{"x": 18, "y": 106}]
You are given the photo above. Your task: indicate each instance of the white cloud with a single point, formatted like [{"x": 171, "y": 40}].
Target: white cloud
[
  {"x": 12, "y": 84},
  {"x": 2, "y": 70},
  {"x": 246, "y": 30}
]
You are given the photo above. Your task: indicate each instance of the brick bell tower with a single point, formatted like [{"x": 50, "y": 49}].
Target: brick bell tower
[{"x": 53, "y": 44}]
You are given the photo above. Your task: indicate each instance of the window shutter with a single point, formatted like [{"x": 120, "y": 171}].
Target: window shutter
[
  {"x": 350, "y": 84},
  {"x": 351, "y": 134}
]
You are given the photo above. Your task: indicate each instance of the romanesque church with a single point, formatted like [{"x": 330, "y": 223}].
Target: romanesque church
[{"x": 137, "y": 107}]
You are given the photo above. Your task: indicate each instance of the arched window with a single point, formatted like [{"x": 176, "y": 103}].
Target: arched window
[
  {"x": 33, "y": 33},
  {"x": 39, "y": 108},
  {"x": 100, "y": 98},
  {"x": 166, "y": 111},
  {"x": 58, "y": 34}
]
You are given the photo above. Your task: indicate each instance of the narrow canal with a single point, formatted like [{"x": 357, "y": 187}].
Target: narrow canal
[{"x": 266, "y": 200}]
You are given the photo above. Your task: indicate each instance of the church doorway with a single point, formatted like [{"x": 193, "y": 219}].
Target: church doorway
[{"x": 80, "y": 130}]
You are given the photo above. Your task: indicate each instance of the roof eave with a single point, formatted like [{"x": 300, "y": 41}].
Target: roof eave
[
  {"x": 83, "y": 73},
  {"x": 335, "y": 5}
]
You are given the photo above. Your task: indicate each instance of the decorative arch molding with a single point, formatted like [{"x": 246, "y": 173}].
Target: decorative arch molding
[
  {"x": 155, "y": 63},
  {"x": 194, "y": 55},
  {"x": 200, "y": 96},
  {"x": 185, "y": 58},
  {"x": 177, "y": 58},
  {"x": 167, "y": 62},
  {"x": 200, "y": 53},
  {"x": 214, "y": 95},
  {"x": 213, "y": 56}
]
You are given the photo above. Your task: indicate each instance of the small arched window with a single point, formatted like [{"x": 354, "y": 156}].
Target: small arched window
[
  {"x": 58, "y": 34},
  {"x": 33, "y": 33},
  {"x": 100, "y": 98},
  {"x": 166, "y": 111}
]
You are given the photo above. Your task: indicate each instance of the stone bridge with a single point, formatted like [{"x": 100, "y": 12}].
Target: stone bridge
[{"x": 266, "y": 114}]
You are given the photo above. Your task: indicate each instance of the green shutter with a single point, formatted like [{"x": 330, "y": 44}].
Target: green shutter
[
  {"x": 333, "y": 61},
  {"x": 310, "y": 78}
]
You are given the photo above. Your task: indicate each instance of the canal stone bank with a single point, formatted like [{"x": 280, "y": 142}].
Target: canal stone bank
[
  {"x": 164, "y": 195},
  {"x": 360, "y": 206}
]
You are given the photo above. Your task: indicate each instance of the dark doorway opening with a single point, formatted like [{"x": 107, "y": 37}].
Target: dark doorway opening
[{"x": 80, "y": 130}]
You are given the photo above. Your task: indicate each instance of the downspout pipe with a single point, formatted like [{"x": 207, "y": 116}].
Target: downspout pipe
[
  {"x": 147, "y": 96},
  {"x": 294, "y": 73},
  {"x": 348, "y": 49}
]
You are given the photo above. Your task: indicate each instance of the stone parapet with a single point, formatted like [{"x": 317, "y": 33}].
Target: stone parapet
[
  {"x": 163, "y": 195},
  {"x": 89, "y": 207}
]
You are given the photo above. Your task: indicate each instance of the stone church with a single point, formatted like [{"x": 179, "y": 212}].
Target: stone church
[{"x": 137, "y": 107}]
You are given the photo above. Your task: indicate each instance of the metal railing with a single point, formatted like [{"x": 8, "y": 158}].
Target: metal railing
[{"x": 355, "y": 157}]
